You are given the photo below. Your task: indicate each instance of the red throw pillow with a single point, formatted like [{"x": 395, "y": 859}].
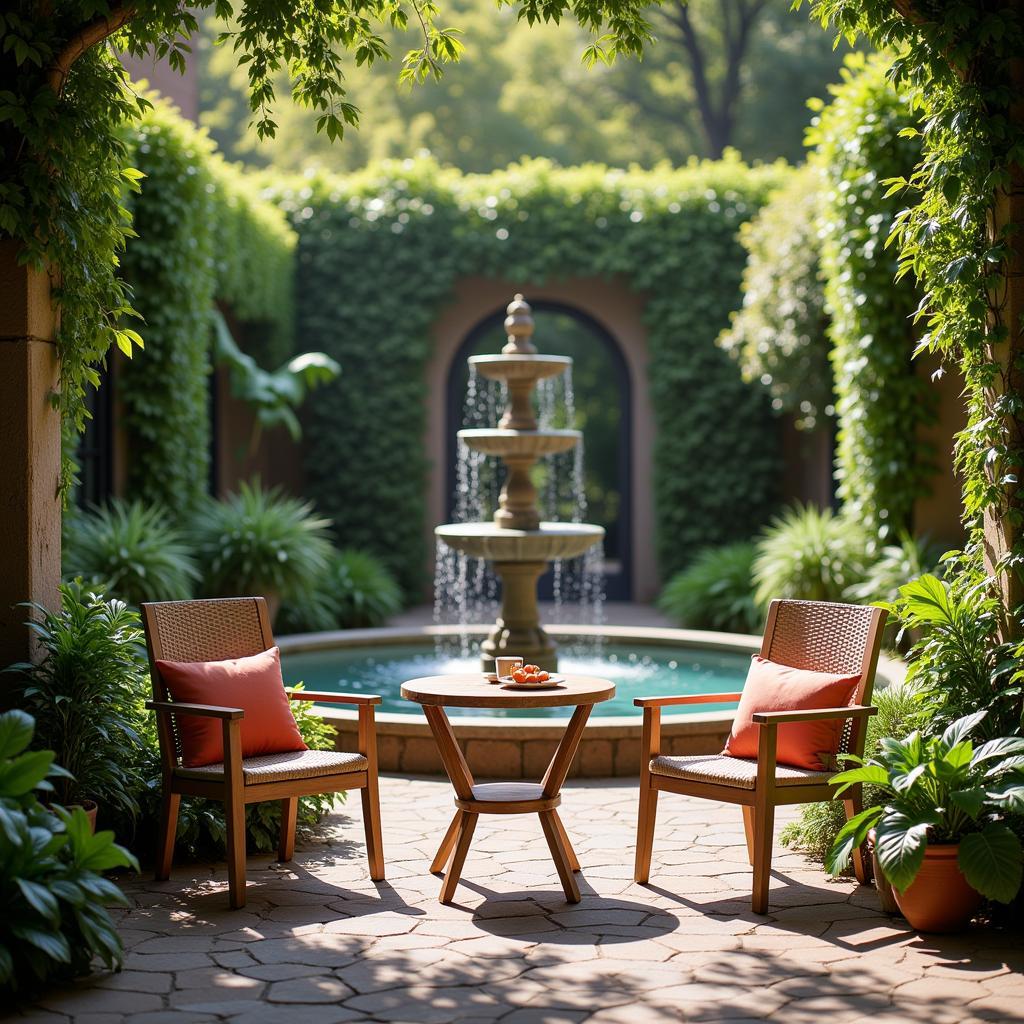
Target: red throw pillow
[
  {"x": 253, "y": 684},
  {"x": 772, "y": 687}
]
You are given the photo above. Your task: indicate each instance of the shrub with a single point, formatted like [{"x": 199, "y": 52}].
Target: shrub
[
  {"x": 355, "y": 590},
  {"x": 716, "y": 591},
  {"x": 896, "y": 565},
  {"x": 809, "y": 554},
  {"x": 52, "y": 893},
  {"x": 814, "y": 832},
  {"x": 131, "y": 551},
  {"x": 779, "y": 336},
  {"x": 86, "y": 696},
  {"x": 260, "y": 542}
]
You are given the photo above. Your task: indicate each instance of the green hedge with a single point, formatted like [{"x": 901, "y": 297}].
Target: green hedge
[
  {"x": 379, "y": 253},
  {"x": 203, "y": 235},
  {"x": 881, "y": 466}
]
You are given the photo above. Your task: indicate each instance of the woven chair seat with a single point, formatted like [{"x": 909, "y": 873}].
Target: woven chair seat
[
  {"x": 294, "y": 764},
  {"x": 737, "y": 772}
]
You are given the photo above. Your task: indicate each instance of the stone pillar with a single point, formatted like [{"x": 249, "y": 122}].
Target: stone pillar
[{"x": 30, "y": 452}]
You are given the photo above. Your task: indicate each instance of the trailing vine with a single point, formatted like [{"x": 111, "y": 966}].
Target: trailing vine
[
  {"x": 959, "y": 235},
  {"x": 379, "y": 253}
]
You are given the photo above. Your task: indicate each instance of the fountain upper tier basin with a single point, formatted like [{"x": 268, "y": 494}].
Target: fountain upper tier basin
[
  {"x": 520, "y": 442},
  {"x": 520, "y": 367},
  {"x": 551, "y": 541}
]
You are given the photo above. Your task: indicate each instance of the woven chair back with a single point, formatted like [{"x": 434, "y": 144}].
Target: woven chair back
[
  {"x": 821, "y": 636},
  {"x": 208, "y": 630}
]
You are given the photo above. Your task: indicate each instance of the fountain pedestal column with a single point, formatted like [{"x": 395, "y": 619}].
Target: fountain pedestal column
[{"x": 518, "y": 630}]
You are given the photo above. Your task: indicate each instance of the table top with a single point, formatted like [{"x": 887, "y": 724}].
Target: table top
[{"x": 473, "y": 691}]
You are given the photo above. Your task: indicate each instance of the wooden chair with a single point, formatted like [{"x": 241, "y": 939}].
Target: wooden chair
[
  {"x": 235, "y": 628},
  {"x": 819, "y": 636}
]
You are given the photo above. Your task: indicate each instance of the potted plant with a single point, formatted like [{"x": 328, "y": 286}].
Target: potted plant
[
  {"x": 86, "y": 697},
  {"x": 941, "y": 835}
]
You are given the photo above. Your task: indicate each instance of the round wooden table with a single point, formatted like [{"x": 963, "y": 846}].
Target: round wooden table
[{"x": 435, "y": 693}]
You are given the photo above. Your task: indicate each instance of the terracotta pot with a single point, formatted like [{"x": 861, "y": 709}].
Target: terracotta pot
[
  {"x": 91, "y": 809},
  {"x": 886, "y": 894},
  {"x": 939, "y": 899}
]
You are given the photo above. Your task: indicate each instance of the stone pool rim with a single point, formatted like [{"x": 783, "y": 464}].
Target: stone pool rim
[{"x": 519, "y": 748}]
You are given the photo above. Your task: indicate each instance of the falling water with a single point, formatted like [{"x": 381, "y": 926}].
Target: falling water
[{"x": 467, "y": 590}]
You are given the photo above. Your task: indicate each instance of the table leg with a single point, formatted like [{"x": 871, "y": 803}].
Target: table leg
[
  {"x": 565, "y": 752},
  {"x": 559, "y": 854},
  {"x": 573, "y": 859},
  {"x": 445, "y": 849},
  {"x": 452, "y": 875},
  {"x": 451, "y": 755}
]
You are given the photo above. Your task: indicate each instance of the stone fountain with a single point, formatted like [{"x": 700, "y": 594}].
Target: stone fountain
[{"x": 518, "y": 544}]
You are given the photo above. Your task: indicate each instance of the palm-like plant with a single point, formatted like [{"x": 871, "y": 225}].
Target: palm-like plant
[
  {"x": 716, "y": 591},
  {"x": 809, "y": 554},
  {"x": 941, "y": 789},
  {"x": 274, "y": 395},
  {"x": 260, "y": 542},
  {"x": 131, "y": 551}
]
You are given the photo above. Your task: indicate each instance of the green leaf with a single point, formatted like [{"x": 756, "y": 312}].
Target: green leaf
[
  {"x": 16, "y": 728},
  {"x": 25, "y": 772},
  {"x": 970, "y": 801},
  {"x": 852, "y": 835},
  {"x": 40, "y": 899},
  {"x": 991, "y": 862},
  {"x": 900, "y": 843}
]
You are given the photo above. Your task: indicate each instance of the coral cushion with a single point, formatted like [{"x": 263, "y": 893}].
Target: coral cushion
[
  {"x": 772, "y": 687},
  {"x": 253, "y": 684}
]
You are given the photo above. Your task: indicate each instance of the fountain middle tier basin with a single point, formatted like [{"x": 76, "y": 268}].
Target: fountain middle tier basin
[
  {"x": 551, "y": 541},
  {"x": 513, "y": 443},
  {"x": 520, "y": 367}
]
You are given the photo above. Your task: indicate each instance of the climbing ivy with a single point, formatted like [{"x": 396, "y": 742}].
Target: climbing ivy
[
  {"x": 379, "y": 253},
  {"x": 957, "y": 233},
  {"x": 881, "y": 465},
  {"x": 202, "y": 234}
]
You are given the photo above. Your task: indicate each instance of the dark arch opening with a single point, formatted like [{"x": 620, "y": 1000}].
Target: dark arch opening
[{"x": 603, "y": 395}]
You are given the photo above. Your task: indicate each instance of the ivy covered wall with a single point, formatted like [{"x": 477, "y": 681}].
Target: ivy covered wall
[
  {"x": 379, "y": 253},
  {"x": 204, "y": 235}
]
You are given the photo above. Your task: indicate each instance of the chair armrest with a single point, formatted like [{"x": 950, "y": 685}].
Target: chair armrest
[
  {"x": 780, "y": 717},
  {"x": 203, "y": 710},
  {"x": 693, "y": 698},
  {"x": 334, "y": 698}
]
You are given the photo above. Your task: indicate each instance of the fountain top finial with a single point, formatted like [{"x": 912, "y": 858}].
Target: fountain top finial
[{"x": 519, "y": 327}]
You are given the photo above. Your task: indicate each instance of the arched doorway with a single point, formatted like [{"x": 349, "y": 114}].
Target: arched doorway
[{"x": 603, "y": 400}]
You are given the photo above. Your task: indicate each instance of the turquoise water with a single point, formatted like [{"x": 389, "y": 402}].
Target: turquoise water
[{"x": 637, "y": 670}]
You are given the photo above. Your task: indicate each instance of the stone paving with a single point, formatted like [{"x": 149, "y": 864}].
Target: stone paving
[{"x": 320, "y": 943}]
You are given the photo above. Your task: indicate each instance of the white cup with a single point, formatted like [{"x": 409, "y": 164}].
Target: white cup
[{"x": 505, "y": 666}]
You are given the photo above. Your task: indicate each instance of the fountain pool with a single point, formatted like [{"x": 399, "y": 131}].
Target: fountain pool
[{"x": 638, "y": 670}]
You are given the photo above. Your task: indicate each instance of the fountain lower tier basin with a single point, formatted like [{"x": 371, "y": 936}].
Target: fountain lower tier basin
[
  {"x": 520, "y": 443},
  {"x": 550, "y": 542},
  {"x": 519, "y": 367},
  {"x": 516, "y": 744}
]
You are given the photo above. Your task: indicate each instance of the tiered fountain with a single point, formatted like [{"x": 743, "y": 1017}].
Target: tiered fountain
[{"x": 517, "y": 543}]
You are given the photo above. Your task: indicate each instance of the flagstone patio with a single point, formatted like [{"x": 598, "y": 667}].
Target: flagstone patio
[{"x": 319, "y": 943}]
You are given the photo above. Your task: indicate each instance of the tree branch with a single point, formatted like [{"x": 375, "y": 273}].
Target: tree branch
[{"x": 84, "y": 39}]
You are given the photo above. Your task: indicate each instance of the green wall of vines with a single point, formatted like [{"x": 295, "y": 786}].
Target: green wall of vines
[
  {"x": 204, "y": 235},
  {"x": 881, "y": 465},
  {"x": 379, "y": 253}
]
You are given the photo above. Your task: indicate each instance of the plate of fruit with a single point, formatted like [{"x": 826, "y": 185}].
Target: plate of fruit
[{"x": 531, "y": 677}]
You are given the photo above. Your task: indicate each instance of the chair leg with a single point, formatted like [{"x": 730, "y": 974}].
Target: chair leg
[
  {"x": 371, "y": 827},
  {"x": 289, "y": 815},
  {"x": 169, "y": 804},
  {"x": 234, "y": 812},
  {"x": 646, "y": 817},
  {"x": 748, "y": 828},
  {"x": 764, "y": 828},
  {"x": 861, "y": 861}
]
